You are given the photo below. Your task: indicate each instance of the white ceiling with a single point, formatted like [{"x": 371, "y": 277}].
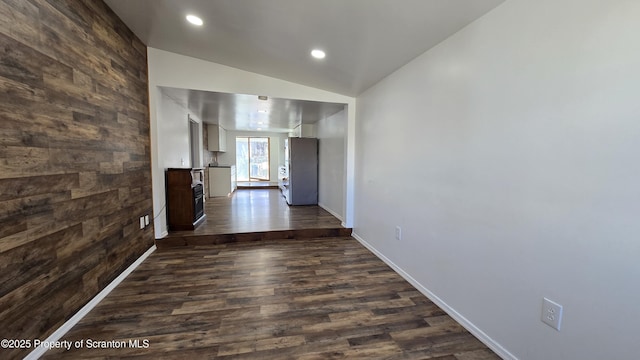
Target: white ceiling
[
  {"x": 365, "y": 40},
  {"x": 248, "y": 112}
]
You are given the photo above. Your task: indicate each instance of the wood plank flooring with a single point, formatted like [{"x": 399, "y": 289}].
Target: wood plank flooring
[
  {"x": 325, "y": 298},
  {"x": 256, "y": 214},
  {"x": 250, "y": 210}
]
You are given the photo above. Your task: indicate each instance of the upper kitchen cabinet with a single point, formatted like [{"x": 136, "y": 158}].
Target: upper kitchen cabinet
[
  {"x": 217, "y": 138},
  {"x": 304, "y": 130}
]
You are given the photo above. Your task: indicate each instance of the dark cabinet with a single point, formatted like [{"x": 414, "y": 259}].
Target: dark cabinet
[{"x": 185, "y": 198}]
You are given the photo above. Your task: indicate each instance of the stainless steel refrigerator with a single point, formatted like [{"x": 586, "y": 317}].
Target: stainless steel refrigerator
[{"x": 302, "y": 166}]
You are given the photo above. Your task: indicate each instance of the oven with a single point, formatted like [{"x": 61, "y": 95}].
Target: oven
[{"x": 198, "y": 201}]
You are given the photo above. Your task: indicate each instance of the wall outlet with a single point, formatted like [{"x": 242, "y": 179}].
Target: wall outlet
[
  {"x": 398, "y": 233},
  {"x": 146, "y": 220},
  {"x": 551, "y": 313},
  {"x": 141, "y": 222}
]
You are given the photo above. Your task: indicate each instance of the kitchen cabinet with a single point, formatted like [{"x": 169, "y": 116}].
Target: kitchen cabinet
[
  {"x": 222, "y": 180},
  {"x": 304, "y": 130},
  {"x": 185, "y": 203},
  {"x": 217, "y": 138}
]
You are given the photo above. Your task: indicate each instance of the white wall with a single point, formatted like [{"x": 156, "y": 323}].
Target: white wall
[
  {"x": 178, "y": 71},
  {"x": 332, "y": 138},
  {"x": 276, "y": 150},
  {"x": 173, "y": 135},
  {"x": 173, "y": 150},
  {"x": 509, "y": 155}
]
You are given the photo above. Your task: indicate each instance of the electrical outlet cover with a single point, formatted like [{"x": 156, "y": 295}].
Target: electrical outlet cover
[
  {"x": 398, "y": 233},
  {"x": 551, "y": 313}
]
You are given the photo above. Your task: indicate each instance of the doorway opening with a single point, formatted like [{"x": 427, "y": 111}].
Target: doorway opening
[
  {"x": 194, "y": 145},
  {"x": 252, "y": 158}
]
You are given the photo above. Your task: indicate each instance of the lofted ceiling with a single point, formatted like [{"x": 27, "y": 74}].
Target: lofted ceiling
[{"x": 365, "y": 40}]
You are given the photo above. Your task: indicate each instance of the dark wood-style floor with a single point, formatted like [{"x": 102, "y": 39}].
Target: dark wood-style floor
[
  {"x": 252, "y": 210},
  {"x": 253, "y": 214},
  {"x": 319, "y": 298}
]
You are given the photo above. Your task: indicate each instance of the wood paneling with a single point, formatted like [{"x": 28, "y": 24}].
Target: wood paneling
[
  {"x": 279, "y": 299},
  {"x": 74, "y": 159}
]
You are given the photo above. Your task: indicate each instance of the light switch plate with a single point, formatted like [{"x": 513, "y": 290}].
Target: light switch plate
[{"x": 141, "y": 222}]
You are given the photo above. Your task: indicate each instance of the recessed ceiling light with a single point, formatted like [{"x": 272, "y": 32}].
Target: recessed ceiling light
[
  {"x": 194, "y": 20},
  {"x": 260, "y": 123},
  {"x": 318, "y": 54},
  {"x": 262, "y": 97},
  {"x": 262, "y": 111}
]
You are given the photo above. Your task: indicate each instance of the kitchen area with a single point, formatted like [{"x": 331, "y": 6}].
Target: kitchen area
[
  {"x": 219, "y": 203},
  {"x": 220, "y": 178},
  {"x": 212, "y": 145}
]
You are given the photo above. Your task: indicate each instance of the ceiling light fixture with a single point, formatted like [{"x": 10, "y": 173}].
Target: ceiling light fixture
[
  {"x": 262, "y": 97},
  {"x": 195, "y": 20},
  {"x": 318, "y": 54},
  {"x": 262, "y": 111}
]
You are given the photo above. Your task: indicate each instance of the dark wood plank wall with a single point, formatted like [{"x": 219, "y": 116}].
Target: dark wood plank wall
[{"x": 75, "y": 173}]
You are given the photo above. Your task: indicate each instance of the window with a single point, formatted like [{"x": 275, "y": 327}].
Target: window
[{"x": 252, "y": 158}]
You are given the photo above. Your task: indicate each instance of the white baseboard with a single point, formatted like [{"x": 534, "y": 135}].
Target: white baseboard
[
  {"x": 62, "y": 330},
  {"x": 336, "y": 215},
  {"x": 481, "y": 335}
]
